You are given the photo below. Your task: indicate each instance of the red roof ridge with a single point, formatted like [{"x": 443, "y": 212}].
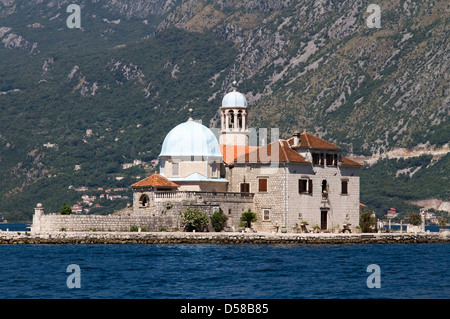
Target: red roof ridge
[
  {"x": 324, "y": 144},
  {"x": 284, "y": 151},
  {"x": 349, "y": 162},
  {"x": 285, "y": 155},
  {"x": 155, "y": 180},
  {"x": 307, "y": 139}
]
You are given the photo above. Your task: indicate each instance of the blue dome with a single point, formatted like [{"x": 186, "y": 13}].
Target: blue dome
[
  {"x": 190, "y": 139},
  {"x": 234, "y": 99}
]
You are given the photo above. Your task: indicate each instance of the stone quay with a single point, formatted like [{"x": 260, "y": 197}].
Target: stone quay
[{"x": 97, "y": 237}]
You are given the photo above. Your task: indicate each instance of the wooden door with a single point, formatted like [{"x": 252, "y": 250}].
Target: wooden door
[{"x": 323, "y": 219}]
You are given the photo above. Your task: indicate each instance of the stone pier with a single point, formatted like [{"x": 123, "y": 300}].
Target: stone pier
[{"x": 97, "y": 237}]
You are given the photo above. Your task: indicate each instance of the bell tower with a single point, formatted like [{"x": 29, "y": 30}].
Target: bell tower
[{"x": 234, "y": 127}]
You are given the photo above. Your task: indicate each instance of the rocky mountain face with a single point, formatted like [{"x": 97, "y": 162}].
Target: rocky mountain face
[
  {"x": 303, "y": 65},
  {"x": 319, "y": 62}
]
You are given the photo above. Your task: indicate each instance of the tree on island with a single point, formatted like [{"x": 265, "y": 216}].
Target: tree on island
[
  {"x": 415, "y": 219},
  {"x": 218, "y": 220},
  {"x": 194, "y": 219},
  {"x": 66, "y": 209},
  {"x": 367, "y": 222},
  {"x": 247, "y": 218}
]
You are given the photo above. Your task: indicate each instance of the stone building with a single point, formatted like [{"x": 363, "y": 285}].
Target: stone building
[
  {"x": 288, "y": 183},
  {"x": 296, "y": 184}
]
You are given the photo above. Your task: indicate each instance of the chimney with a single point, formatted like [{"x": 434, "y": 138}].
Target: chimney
[{"x": 296, "y": 136}]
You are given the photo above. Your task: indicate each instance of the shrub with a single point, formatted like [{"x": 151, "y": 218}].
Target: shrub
[
  {"x": 247, "y": 218},
  {"x": 66, "y": 209},
  {"x": 194, "y": 219},
  {"x": 367, "y": 222},
  {"x": 218, "y": 220},
  {"x": 415, "y": 219}
]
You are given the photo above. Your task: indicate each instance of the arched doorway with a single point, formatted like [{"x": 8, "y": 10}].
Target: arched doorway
[{"x": 144, "y": 200}]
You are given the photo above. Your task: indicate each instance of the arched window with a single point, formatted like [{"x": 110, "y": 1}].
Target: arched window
[
  {"x": 144, "y": 201},
  {"x": 214, "y": 170},
  {"x": 230, "y": 119},
  {"x": 239, "y": 120},
  {"x": 324, "y": 186}
]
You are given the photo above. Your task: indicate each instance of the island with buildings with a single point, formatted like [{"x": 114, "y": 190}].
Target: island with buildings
[{"x": 300, "y": 189}]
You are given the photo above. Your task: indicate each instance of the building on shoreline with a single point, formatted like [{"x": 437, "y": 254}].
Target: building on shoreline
[{"x": 303, "y": 180}]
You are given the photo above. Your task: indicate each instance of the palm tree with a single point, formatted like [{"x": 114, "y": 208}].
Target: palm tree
[{"x": 247, "y": 218}]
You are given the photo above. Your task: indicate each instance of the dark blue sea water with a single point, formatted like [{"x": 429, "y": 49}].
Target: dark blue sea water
[{"x": 214, "y": 271}]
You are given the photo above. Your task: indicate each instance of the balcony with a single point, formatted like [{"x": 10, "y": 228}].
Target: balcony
[{"x": 201, "y": 196}]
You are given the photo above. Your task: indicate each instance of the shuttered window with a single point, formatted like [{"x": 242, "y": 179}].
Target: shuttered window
[{"x": 262, "y": 185}]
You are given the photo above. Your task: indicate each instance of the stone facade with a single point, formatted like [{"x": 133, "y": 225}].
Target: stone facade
[
  {"x": 172, "y": 203},
  {"x": 162, "y": 212},
  {"x": 283, "y": 205},
  {"x": 57, "y": 222}
]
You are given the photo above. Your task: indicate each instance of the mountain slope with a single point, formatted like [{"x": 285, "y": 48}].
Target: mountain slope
[{"x": 135, "y": 67}]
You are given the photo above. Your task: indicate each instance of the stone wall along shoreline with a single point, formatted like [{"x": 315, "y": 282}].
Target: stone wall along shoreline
[{"x": 217, "y": 238}]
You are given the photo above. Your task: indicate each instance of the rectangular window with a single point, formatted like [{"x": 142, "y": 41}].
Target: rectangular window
[
  {"x": 175, "y": 169},
  {"x": 316, "y": 158},
  {"x": 322, "y": 159},
  {"x": 266, "y": 214},
  {"x": 329, "y": 159},
  {"x": 262, "y": 185},
  {"x": 245, "y": 188},
  {"x": 344, "y": 187},
  {"x": 214, "y": 170},
  {"x": 305, "y": 185},
  {"x": 302, "y": 185}
]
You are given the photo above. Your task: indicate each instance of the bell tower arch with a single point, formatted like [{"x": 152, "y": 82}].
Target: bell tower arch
[{"x": 234, "y": 127}]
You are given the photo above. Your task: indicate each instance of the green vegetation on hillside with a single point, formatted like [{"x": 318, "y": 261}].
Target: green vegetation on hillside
[
  {"x": 389, "y": 183},
  {"x": 126, "y": 125}
]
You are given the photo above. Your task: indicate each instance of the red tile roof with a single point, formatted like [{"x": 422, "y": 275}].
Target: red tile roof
[
  {"x": 348, "y": 162},
  {"x": 157, "y": 181},
  {"x": 280, "y": 149},
  {"x": 307, "y": 140}
]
